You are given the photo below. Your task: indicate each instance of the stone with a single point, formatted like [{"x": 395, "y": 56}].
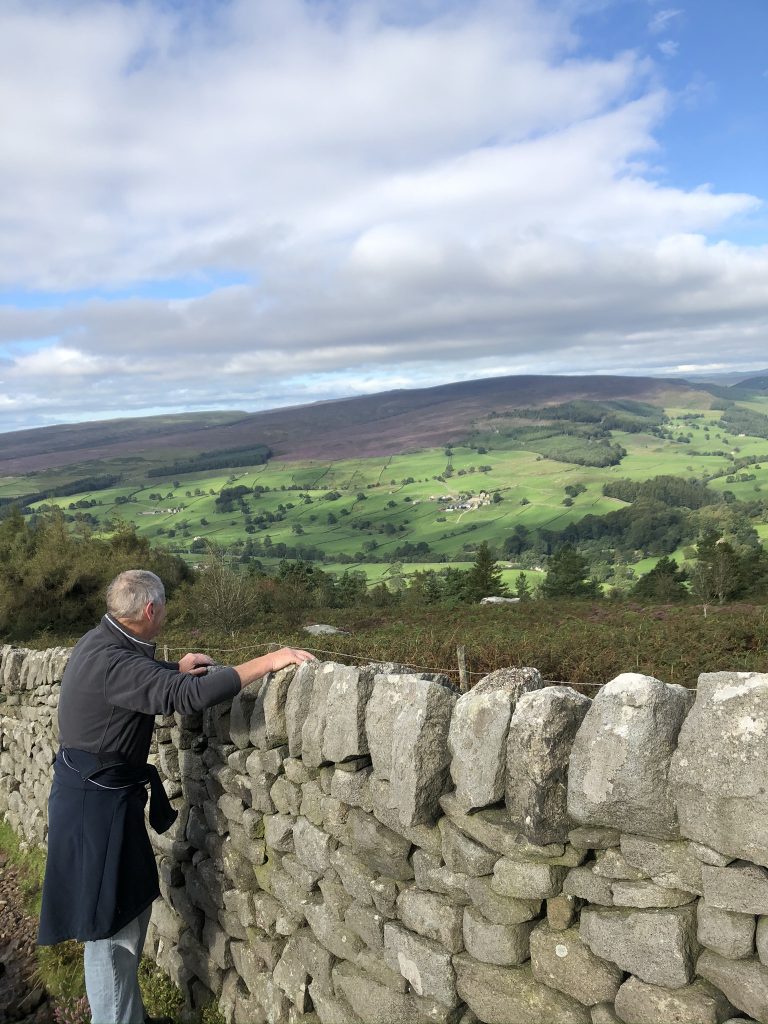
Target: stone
[
  {"x": 709, "y": 856},
  {"x": 699, "y": 1003},
  {"x": 329, "y": 1008},
  {"x": 384, "y": 805},
  {"x": 594, "y": 837},
  {"x": 303, "y": 876},
  {"x": 420, "y": 757},
  {"x": 313, "y": 729},
  {"x": 603, "y": 1014},
  {"x": 493, "y": 829},
  {"x": 312, "y": 846},
  {"x": 297, "y": 704},
  {"x": 541, "y": 734},
  {"x": 462, "y": 854},
  {"x": 353, "y": 874},
  {"x": 478, "y": 735},
  {"x": 618, "y": 774},
  {"x": 268, "y": 725},
  {"x": 432, "y": 916},
  {"x": 386, "y": 698},
  {"x": 761, "y": 940},
  {"x": 367, "y": 923},
  {"x": 384, "y": 892},
  {"x": 433, "y": 876},
  {"x": 347, "y": 699},
  {"x": 648, "y": 894},
  {"x": 425, "y": 964},
  {"x": 500, "y": 909},
  {"x": 584, "y": 883},
  {"x": 294, "y": 768},
  {"x": 667, "y": 863},
  {"x": 744, "y": 982},
  {"x": 330, "y": 932},
  {"x": 312, "y": 802},
  {"x": 614, "y": 865},
  {"x": 391, "y": 693},
  {"x": 353, "y": 788},
  {"x": 285, "y": 796},
  {"x": 501, "y": 995},
  {"x": 561, "y": 911},
  {"x": 741, "y": 887},
  {"x": 278, "y": 832},
  {"x": 729, "y": 934},
  {"x": 561, "y": 960},
  {"x": 377, "y": 846},
  {"x": 377, "y": 1003},
  {"x": 370, "y": 961},
  {"x": 502, "y": 944},
  {"x": 303, "y": 960},
  {"x": 241, "y": 713},
  {"x": 720, "y": 772},
  {"x": 659, "y": 946},
  {"x": 519, "y": 880},
  {"x": 336, "y": 897}
]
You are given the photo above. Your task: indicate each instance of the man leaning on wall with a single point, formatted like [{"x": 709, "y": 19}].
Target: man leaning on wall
[{"x": 101, "y": 876}]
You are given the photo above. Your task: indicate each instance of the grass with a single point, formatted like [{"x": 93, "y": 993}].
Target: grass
[
  {"x": 60, "y": 968},
  {"x": 583, "y": 643},
  {"x": 399, "y": 493}
]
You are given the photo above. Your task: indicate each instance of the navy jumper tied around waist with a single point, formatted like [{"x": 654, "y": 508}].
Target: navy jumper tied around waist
[{"x": 101, "y": 870}]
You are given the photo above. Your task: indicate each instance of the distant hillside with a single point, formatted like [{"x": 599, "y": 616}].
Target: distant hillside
[
  {"x": 729, "y": 378},
  {"x": 371, "y": 425},
  {"x": 759, "y": 383}
]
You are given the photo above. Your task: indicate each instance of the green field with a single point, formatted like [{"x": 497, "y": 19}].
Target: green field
[{"x": 358, "y": 513}]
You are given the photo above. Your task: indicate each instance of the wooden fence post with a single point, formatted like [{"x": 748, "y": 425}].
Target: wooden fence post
[{"x": 461, "y": 656}]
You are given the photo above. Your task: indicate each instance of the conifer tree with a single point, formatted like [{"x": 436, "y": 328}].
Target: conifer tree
[
  {"x": 484, "y": 578},
  {"x": 566, "y": 575}
]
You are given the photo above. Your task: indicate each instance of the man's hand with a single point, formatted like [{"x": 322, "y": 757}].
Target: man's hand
[
  {"x": 195, "y": 664},
  {"x": 289, "y": 656},
  {"x": 250, "y": 671}
]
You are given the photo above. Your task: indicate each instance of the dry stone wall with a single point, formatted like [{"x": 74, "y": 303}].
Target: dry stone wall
[{"x": 362, "y": 844}]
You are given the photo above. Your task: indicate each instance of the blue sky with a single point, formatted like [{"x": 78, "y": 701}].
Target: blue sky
[
  {"x": 712, "y": 58},
  {"x": 247, "y": 204}
]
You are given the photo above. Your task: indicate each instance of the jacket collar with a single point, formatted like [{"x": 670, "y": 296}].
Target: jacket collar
[{"x": 118, "y": 631}]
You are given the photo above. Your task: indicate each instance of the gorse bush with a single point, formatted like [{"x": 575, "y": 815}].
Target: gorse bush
[{"x": 54, "y": 580}]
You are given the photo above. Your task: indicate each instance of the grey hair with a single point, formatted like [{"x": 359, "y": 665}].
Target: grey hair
[{"x": 129, "y": 593}]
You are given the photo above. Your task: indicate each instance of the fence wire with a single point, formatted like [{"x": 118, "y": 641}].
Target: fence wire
[{"x": 361, "y": 661}]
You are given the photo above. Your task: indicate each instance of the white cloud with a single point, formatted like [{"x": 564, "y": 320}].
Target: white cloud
[
  {"x": 669, "y": 48},
  {"x": 661, "y": 19},
  {"x": 408, "y": 194}
]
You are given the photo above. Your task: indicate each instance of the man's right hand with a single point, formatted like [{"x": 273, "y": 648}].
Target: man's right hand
[
  {"x": 289, "y": 656},
  {"x": 250, "y": 671}
]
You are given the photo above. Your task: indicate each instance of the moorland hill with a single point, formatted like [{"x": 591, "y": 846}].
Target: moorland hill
[{"x": 387, "y": 423}]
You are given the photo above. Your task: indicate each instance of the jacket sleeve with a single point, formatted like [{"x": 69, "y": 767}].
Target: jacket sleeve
[{"x": 137, "y": 683}]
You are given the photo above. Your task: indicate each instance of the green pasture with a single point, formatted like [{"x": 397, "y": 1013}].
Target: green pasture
[{"x": 371, "y": 507}]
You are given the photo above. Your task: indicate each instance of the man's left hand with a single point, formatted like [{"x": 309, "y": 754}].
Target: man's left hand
[{"x": 195, "y": 664}]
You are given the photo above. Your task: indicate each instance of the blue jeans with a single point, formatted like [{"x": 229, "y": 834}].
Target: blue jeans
[{"x": 111, "y": 974}]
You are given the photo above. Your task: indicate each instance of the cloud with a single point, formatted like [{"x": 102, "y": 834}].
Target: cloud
[
  {"x": 405, "y": 192},
  {"x": 669, "y": 48},
  {"x": 661, "y": 19}
]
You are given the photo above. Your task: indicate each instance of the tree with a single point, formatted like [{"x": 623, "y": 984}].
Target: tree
[
  {"x": 484, "y": 578},
  {"x": 522, "y": 587},
  {"x": 716, "y": 574},
  {"x": 664, "y": 583},
  {"x": 566, "y": 576}
]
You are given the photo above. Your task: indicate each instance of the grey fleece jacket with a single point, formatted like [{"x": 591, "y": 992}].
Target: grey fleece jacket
[{"x": 112, "y": 689}]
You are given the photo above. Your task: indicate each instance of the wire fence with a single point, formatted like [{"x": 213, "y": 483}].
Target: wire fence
[{"x": 356, "y": 659}]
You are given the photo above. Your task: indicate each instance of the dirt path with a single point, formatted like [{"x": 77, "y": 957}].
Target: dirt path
[{"x": 21, "y": 997}]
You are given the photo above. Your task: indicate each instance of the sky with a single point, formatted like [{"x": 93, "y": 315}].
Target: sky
[{"x": 241, "y": 204}]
